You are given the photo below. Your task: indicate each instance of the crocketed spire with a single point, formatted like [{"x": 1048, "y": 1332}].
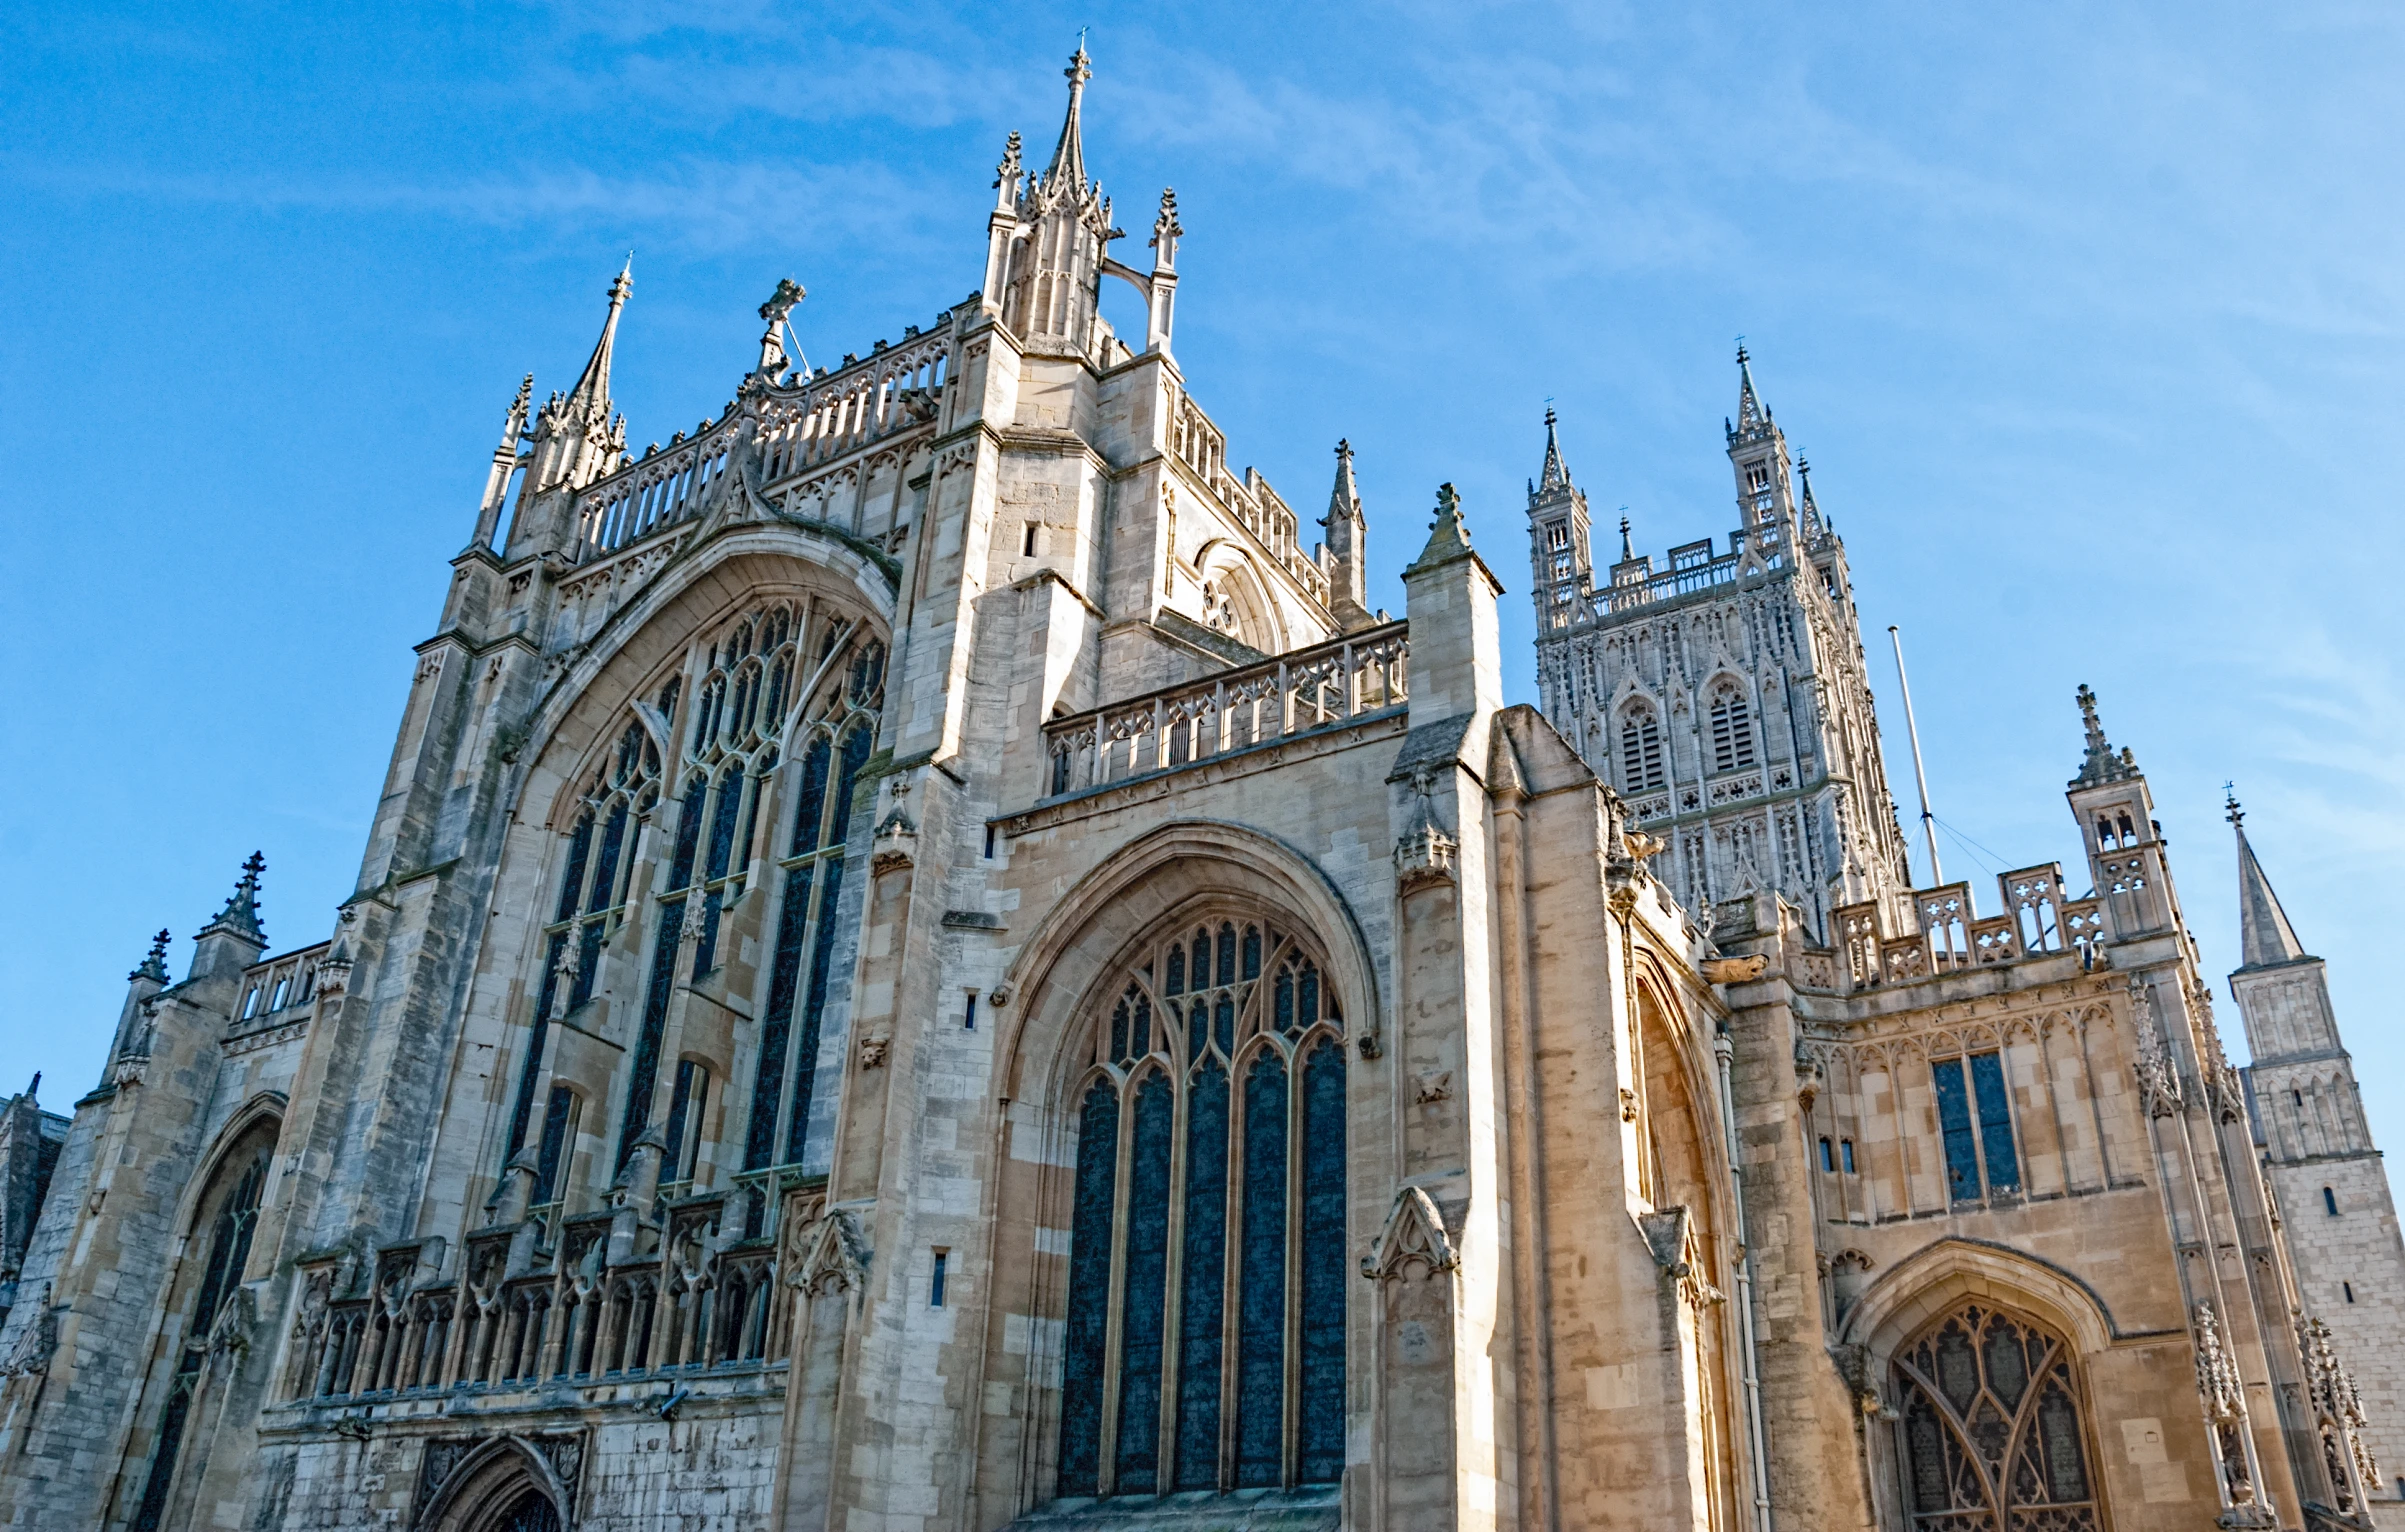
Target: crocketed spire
[
  {"x": 2100, "y": 765},
  {"x": 592, "y": 391},
  {"x": 240, "y": 917},
  {"x": 1556, "y": 474},
  {"x": 1752, "y": 418},
  {"x": 1068, "y": 165},
  {"x": 2264, "y": 935},
  {"x": 153, "y": 967}
]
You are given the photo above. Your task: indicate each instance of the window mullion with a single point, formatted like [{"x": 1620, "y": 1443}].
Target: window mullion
[{"x": 1106, "y": 1468}]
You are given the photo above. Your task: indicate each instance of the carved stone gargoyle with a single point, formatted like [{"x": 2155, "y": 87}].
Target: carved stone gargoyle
[{"x": 1734, "y": 970}]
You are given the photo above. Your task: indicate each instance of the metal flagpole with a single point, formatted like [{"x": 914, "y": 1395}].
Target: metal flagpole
[{"x": 1912, "y": 732}]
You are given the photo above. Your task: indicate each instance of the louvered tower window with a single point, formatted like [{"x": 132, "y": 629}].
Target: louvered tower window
[
  {"x": 1640, "y": 750},
  {"x": 1732, "y": 730}
]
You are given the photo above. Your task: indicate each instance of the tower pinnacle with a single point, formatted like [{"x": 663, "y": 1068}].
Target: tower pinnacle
[
  {"x": 2100, "y": 765},
  {"x": 1556, "y": 474},
  {"x": 592, "y": 391},
  {"x": 2264, "y": 935},
  {"x": 1752, "y": 418},
  {"x": 240, "y": 917},
  {"x": 1069, "y": 156}
]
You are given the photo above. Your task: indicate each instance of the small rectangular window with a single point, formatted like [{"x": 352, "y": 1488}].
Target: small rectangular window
[
  {"x": 1027, "y": 543},
  {"x": 935, "y": 1288},
  {"x": 2350, "y": 1290},
  {"x": 1828, "y": 1159},
  {"x": 989, "y": 843},
  {"x": 1847, "y": 1150},
  {"x": 968, "y": 1015}
]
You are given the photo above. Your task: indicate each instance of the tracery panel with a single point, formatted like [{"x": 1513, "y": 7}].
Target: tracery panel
[
  {"x": 1992, "y": 1431},
  {"x": 1207, "y": 1353}
]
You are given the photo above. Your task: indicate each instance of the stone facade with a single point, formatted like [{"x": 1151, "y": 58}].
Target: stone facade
[{"x": 921, "y": 963}]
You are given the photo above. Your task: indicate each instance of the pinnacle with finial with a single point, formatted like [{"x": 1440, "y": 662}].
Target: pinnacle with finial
[
  {"x": 2100, "y": 764},
  {"x": 2236, "y": 815},
  {"x": 241, "y": 913},
  {"x": 1628, "y": 548},
  {"x": 153, "y": 966}
]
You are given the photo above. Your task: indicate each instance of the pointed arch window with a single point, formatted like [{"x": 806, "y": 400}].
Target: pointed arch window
[
  {"x": 228, "y": 1213},
  {"x": 1640, "y": 749},
  {"x": 832, "y": 749},
  {"x": 1732, "y": 729},
  {"x": 595, "y": 893},
  {"x": 1215, "y": 1097},
  {"x": 1993, "y": 1427}
]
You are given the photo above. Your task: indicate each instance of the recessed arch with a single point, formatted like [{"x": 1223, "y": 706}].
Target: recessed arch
[
  {"x": 1918, "y": 1289},
  {"x": 488, "y": 1487}
]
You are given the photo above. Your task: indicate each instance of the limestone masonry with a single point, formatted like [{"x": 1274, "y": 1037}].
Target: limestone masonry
[{"x": 924, "y": 963}]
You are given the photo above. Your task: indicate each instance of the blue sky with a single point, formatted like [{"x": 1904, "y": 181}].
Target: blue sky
[{"x": 2087, "y": 317}]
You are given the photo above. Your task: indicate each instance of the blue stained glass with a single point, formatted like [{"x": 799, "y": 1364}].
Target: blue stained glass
[
  {"x": 1227, "y": 954},
  {"x": 556, "y": 1115},
  {"x": 588, "y": 961},
  {"x": 1224, "y": 1018},
  {"x": 1285, "y": 1002},
  {"x": 1088, "y": 1320},
  {"x": 1201, "y": 976},
  {"x": 855, "y": 755},
  {"x": 1954, "y": 1122},
  {"x": 776, "y": 1023},
  {"x": 1252, "y": 952},
  {"x": 681, "y": 1106},
  {"x": 1197, "y": 1027},
  {"x": 1143, "y": 1025},
  {"x": 1310, "y": 995},
  {"x": 571, "y": 881},
  {"x": 529, "y": 1072},
  {"x": 1147, "y": 1291},
  {"x": 723, "y": 818},
  {"x": 1995, "y": 1122},
  {"x": 814, "y": 1010},
  {"x": 646, "y": 1067},
  {"x": 1203, "y": 1304},
  {"x": 1320, "y": 1269},
  {"x": 688, "y": 834},
  {"x": 705, "y": 952},
  {"x": 812, "y": 797},
  {"x": 1261, "y": 1288},
  {"x": 605, "y": 871},
  {"x": 1177, "y": 972},
  {"x": 1119, "y": 1034}
]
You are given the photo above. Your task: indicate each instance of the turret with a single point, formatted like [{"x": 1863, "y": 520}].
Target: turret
[
  {"x": 2115, "y": 811},
  {"x": 1049, "y": 242},
  {"x": 1562, "y": 569},
  {"x": 577, "y": 438},
  {"x": 1758, "y": 455}
]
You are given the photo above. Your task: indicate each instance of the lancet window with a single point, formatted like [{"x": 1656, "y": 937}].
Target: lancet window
[
  {"x": 1204, "y": 1345},
  {"x": 1732, "y": 729},
  {"x": 596, "y": 891},
  {"x": 1640, "y": 749},
  {"x": 835, "y": 744},
  {"x": 1993, "y": 1429},
  {"x": 229, "y": 1211},
  {"x": 1977, "y": 1125}
]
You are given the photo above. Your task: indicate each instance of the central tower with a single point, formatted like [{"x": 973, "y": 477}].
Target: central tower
[{"x": 1723, "y": 693}]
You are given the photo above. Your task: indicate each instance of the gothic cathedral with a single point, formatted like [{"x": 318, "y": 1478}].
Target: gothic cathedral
[{"x": 924, "y": 963}]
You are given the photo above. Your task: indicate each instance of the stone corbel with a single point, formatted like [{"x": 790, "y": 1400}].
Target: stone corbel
[
  {"x": 1414, "y": 1235},
  {"x": 1424, "y": 856}
]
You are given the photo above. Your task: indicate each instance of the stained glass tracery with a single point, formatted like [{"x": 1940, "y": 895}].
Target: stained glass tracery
[
  {"x": 1991, "y": 1427},
  {"x": 1222, "y": 1037}
]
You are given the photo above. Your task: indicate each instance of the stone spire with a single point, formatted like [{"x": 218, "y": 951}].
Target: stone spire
[
  {"x": 240, "y": 917},
  {"x": 592, "y": 391},
  {"x": 2100, "y": 765},
  {"x": 1556, "y": 474},
  {"x": 1810, "y": 515},
  {"x": 1752, "y": 419},
  {"x": 1069, "y": 156},
  {"x": 1628, "y": 545},
  {"x": 2265, "y": 937}
]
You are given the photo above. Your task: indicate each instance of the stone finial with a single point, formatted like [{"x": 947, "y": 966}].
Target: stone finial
[
  {"x": 1628, "y": 546},
  {"x": 1448, "y": 539},
  {"x": 1752, "y": 418},
  {"x": 1555, "y": 475},
  {"x": 240, "y": 917},
  {"x": 1006, "y": 174},
  {"x": 154, "y": 966},
  {"x": 1165, "y": 232},
  {"x": 2100, "y": 765}
]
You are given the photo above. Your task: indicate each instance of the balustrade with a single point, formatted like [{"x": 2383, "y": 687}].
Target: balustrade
[{"x": 1314, "y": 688}]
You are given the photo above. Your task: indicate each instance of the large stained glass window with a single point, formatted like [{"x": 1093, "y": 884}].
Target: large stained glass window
[
  {"x": 1204, "y": 1345},
  {"x": 1992, "y": 1427}
]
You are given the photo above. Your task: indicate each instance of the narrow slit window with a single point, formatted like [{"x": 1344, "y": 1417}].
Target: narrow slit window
[
  {"x": 935, "y": 1284},
  {"x": 1846, "y": 1151},
  {"x": 1027, "y": 542},
  {"x": 2329, "y": 1200},
  {"x": 1828, "y": 1156},
  {"x": 968, "y": 1015}
]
